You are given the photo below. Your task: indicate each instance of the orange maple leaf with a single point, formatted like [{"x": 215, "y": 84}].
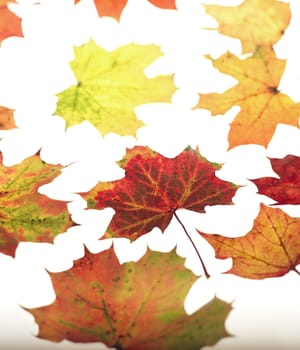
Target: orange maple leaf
[
  {"x": 114, "y": 8},
  {"x": 270, "y": 249},
  {"x": 101, "y": 300},
  {"x": 254, "y": 22},
  {"x": 10, "y": 24},
  {"x": 263, "y": 106},
  {"x": 6, "y": 118}
]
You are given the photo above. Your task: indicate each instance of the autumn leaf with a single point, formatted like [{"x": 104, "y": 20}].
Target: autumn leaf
[
  {"x": 254, "y": 22},
  {"x": 110, "y": 8},
  {"x": 134, "y": 306},
  {"x": 262, "y": 105},
  {"x": 164, "y": 4},
  {"x": 10, "y": 24},
  {"x": 285, "y": 190},
  {"x": 154, "y": 187},
  {"x": 6, "y": 118},
  {"x": 110, "y": 85},
  {"x": 25, "y": 214},
  {"x": 114, "y": 8},
  {"x": 270, "y": 249}
]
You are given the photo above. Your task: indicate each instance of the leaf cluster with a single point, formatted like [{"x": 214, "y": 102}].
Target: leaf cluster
[{"x": 139, "y": 305}]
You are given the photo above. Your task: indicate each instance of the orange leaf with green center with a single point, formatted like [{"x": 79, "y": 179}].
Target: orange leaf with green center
[
  {"x": 6, "y": 118},
  {"x": 254, "y": 22},
  {"x": 270, "y": 249},
  {"x": 154, "y": 187},
  {"x": 114, "y": 8},
  {"x": 25, "y": 214},
  {"x": 133, "y": 306},
  {"x": 285, "y": 190},
  {"x": 10, "y": 24},
  {"x": 262, "y": 105},
  {"x": 110, "y": 85}
]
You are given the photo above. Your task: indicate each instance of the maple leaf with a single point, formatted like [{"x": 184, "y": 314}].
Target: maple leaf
[
  {"x": 164, "y": 4},
  {"x": 10, "y": 24},
  {"x": 154, "y": 187},
  {"x": 262, "y": 105},
  {"x": 110, "y": 85},
  {"x": 254, "y": 22},
  {"x": 270, "y": 249},
  {"x": 111, "y": 8},
  {"x": 25, "y": 214},
  {"x": 285, "y": 190},
  {"x": 132, "y": 306},
  {"x": 114, "y": 8},
  {"x": 6, "y": 118}
]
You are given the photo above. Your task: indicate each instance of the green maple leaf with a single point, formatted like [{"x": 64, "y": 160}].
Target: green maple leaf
[
  {"x": 133, "y": 306},
  {"x": 110, "y": 85},
  {"x": 25, "y": 214}
]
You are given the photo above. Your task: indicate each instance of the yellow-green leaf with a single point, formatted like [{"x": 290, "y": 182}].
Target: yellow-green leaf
[
  {"x": 110, "y": 85},
  {"x": 25, "y": 214}
]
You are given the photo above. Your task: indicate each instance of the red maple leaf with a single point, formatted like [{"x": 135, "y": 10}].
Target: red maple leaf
[
  {"x": 285, "y": 190},
  {"x": 154, "y": 187}
]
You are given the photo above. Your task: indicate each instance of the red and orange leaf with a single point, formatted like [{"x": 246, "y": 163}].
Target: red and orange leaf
[
  {"x": 254, "y": 22},
  {"x": 6, "y": 118},
  {"x": 10, "y": 24},
  {"x": 270, "y": 249},
  {"x": 111, "y": 8},
  {"x": 262, "y": 105},
  {"x": 133, "y": 306},
  {"x": 164, "y": 4},
  {"x": 114, "y": 8},
  {"x": 285, "y": 190},
  {"x": 154, "y": 187},
  {"x": 25, "y": 214}
]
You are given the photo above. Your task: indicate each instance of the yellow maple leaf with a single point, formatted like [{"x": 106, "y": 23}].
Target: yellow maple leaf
[
  {"x": 262, "y": 105},
  {"x": 110, "y": 85},
  {"x": 254, "y": 22}
]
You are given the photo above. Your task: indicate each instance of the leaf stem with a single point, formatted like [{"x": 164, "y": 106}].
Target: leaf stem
[
  {"x": 294, "y": 269},
  {"x": 193, "y": 244}
]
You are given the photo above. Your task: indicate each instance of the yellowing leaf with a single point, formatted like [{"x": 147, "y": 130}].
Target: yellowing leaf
[
  {"x": 6, "y": 118},
  {"x": 262, "y": 105},
  {"x": 254, "y": 22},
  {"x": 110, "y": 85},
  {"x": 270, "y": 249},
  {"x": 134, "y": 306},
  {"x": 25, "y": 214}
]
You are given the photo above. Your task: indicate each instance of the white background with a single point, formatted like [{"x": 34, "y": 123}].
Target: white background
[{"x": 33, "y": 69}]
